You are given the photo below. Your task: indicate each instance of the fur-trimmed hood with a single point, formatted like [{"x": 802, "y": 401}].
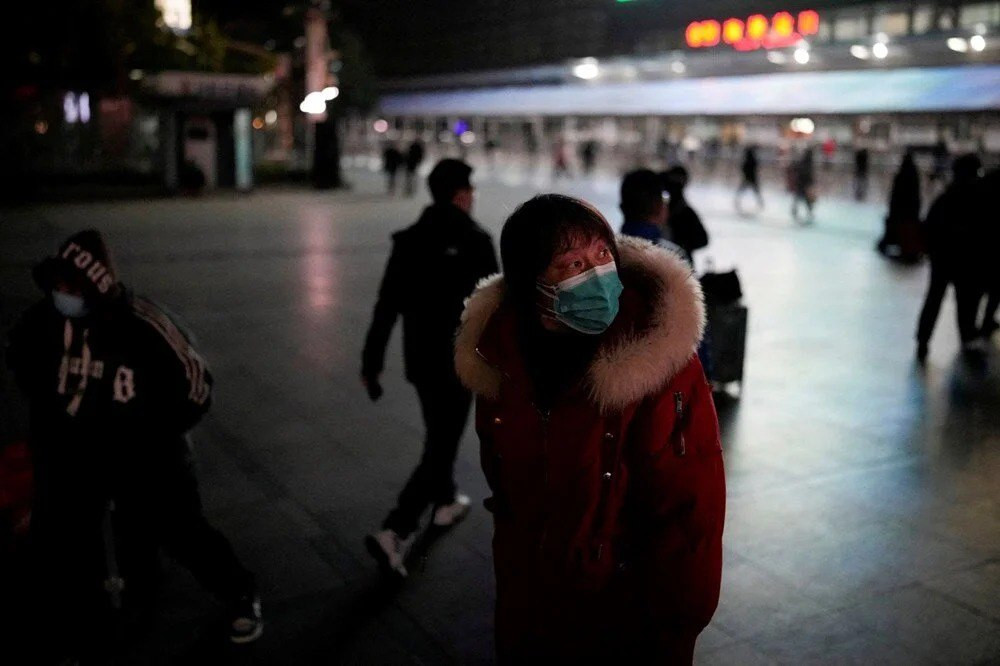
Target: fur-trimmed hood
[{"x": 638, "y": 355}]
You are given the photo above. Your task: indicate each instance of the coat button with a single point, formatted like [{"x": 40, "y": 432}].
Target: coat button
[
  {"x": 607, "y": 476},
  {"x": 497, "y": 421}
]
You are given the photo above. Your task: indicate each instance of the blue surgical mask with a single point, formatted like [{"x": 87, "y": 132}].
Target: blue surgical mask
[
  {"x": 587, "y": 302},
  {"x": 69, "y": 305}
]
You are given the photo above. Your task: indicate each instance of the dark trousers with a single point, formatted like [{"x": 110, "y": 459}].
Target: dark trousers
[
  {"x": 157, "y": 506},
  {"x": 967, "y": 297},
  {"x": 753, "y": 186},
  {"x": 445, "y": 405}
]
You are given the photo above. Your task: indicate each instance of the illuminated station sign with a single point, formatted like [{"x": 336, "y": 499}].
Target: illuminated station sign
[{"x": 756, "y": 31}]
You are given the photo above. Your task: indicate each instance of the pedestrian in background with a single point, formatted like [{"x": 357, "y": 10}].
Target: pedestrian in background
[
  {"x": 749, "y": 168},
  {"x": 392, "y": 159},
  {"x": 804, "y": 185},
  {"x": 560, "y": 160},
  {"x": 588, "y": 156},
  {"x": 434, "y": 266},
  {"x": 599, "y": 440},
  {"x": 414, "y": 158},
  {"x": 955, "y": 232},
  {"x": 990, "y": 186},
  {"x": 684, "y": 225},
  {"x": 902, "y": 237},
  {"x": 861, "y": 160},
  {"x": 643, "y": 205},
  {"x": 113, "y": 387}
]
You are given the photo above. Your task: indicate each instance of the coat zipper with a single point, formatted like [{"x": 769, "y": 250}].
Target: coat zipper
[
  {"x": 544, "y": 414},
  {"x": 680, "y": 447}
]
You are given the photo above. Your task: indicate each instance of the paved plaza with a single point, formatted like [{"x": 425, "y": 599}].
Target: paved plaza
[{"x": 864, "y": 492}]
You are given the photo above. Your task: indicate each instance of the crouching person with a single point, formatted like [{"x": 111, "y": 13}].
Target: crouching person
[
  {"x": 599, "y": 440},
  {"x": 113, "y": 386}
]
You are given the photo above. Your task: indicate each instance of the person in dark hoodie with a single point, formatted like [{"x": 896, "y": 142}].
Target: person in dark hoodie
[
  {"x": 954, "y": 231},
  {"x": 434, "y": 266},
  {"x": 643, "y": 205},
  {"x": 113, "y": 387},
  {"x": 902, "y": 233},
  {"x": 686, "y": 229}
]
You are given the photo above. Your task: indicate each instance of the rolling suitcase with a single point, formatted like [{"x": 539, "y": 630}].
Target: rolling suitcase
[{"x": 727, "y": 333}]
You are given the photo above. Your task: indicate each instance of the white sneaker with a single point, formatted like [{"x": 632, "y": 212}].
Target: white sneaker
[
  {"x": 390, "y": 550},
  {"x": 447, "y": 515}
]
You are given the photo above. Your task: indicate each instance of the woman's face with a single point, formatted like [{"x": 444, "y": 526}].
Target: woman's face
[{"x": 581, "y": 257}]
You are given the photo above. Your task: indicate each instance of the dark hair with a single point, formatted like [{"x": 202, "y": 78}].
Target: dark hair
[
  {"x": 641, "y": 194},
  {"x": 537, "y": 231},
  {"x": 448, "y": 177},
  {"x": 675, "y": 179},
  {"x": 966, "y": 167}
]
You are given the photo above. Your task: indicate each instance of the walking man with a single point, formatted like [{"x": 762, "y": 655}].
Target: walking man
[
  {"x": 804, "y": 189},
  {"x": 414, "y": 157},
  {"x": 113, "y": 386},
  {"x": 434, "y": 266},
  {"x": 750, "y": 168},
  {"x": 955, "y": 234}
]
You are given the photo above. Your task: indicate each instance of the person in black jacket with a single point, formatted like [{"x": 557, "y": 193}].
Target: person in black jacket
[
  {"x": 749, "y": 168},
  {"x": 414, "y": 157},
  {"x": 113, "y": 386},
  {"x": 902, "y": 234},
  {"x": 434, "y": 266},
  {"x": 955, "y": 231},
  {"x": 685, "y": 227}
]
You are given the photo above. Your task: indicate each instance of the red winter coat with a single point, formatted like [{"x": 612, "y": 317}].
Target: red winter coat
[{"x": 608, "y": 509}]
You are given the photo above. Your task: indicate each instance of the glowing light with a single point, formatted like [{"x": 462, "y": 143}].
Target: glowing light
[
  {"x": 83, "y": 105},
  {"x": 381, "y": 126},
  {"x": 258, "y": 123},
  {"x": 801, "y": 56},
  {"x": 757, "y": 26},
  {"x": 782, "y": 30},
  {"x": 860, "y": 52},
  {"x": 678, "y": 67},
  {"x": 783, "y": 24},
  {"x": 468, "y": 137},
  {"x": 271, "y": 117},
  {"x": 803, "y": 125},
  {"x": 70, "y": 113},
  {"x": 958, "y": 44},
  {"x": 777, "y": 57},
  {"x": 586, "y": 69},
  {"x": 880, "y": 50},
  {"x": 330, "y": 93},
  {"x": 692, "y": 35},
  {"x": 711, "y": 31},
  {"x": 808, "y": 22},
  {"x": 977, "y": 42},
  {"x": 176, "y": 13},
  {"x": 732, "y": 31},
  {"x": 135, "y": 75},
  {"x": 313, "y": 104}
]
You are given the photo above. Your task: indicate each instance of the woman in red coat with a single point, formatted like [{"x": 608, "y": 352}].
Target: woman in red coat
[{"x": 599, "y": 440}]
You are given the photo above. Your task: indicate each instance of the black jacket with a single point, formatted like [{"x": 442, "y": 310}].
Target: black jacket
[
  {"x": 434, "y": 266},
  {"x": 686, "y": 229},
  {"x": 109, "y": 383},
  {"x": 956, "y": 230}
]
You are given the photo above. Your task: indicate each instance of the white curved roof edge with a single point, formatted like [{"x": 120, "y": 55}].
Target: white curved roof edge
[{"x": 923, "y": 89}]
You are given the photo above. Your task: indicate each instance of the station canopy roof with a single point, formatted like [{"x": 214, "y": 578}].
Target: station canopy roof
[{"x": 909, "y": 90}]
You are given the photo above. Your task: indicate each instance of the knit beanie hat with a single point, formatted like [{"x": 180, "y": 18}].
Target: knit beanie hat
[{"x": 84, "y": 262}]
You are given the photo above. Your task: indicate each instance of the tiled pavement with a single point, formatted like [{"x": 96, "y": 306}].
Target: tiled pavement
[{"x": 864, "y": 493}]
